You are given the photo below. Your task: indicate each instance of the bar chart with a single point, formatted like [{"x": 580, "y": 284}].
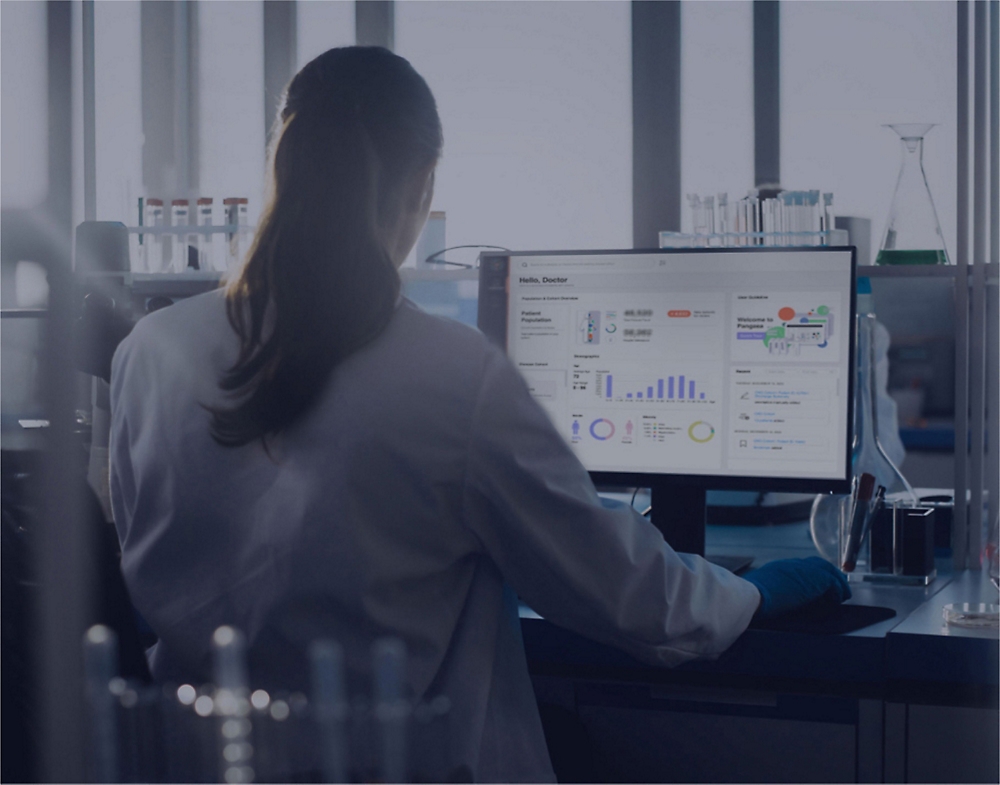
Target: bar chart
[{"x": 675, "y": 387}]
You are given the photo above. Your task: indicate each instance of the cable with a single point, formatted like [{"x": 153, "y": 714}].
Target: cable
[{"x": 431, "y": 260}]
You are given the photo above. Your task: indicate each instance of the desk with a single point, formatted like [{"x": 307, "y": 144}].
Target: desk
[{"x": 873, "y": 705}]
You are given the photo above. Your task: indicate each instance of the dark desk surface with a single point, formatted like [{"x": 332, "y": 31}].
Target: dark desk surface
[{"x": 915, "y": 646}]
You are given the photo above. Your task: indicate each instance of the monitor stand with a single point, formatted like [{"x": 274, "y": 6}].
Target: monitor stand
[{"x": 679, "y": 511}]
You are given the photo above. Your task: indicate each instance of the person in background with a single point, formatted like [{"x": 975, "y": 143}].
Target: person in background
[{"x": 307, "y": 455}]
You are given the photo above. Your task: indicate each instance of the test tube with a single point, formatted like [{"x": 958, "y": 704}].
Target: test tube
[
  {"x": 179, "y": 216},
  {"x": 391, "y": 709},
  {"x": 694, "y": 202},
  {"x": 100, "y": 658},
  {"x": 431, "y": 741},
  {"x": 152, "y": 244},
  {"x": 815, "y": 214},
  {"x": 229, "y": 660},
  {"x": 232, "y": 705},
  {"x": 137, "y": 251},
  {"x": 829, "y": 217},
  {"x": 206, "y": 242},
  {"x": 767, "y": 217},
  {"x": 236, "y": 208},
  {"x": 787, "y": 216},
  {"x": 331, "y": 708},
  {"x": 723, "y": 223}
]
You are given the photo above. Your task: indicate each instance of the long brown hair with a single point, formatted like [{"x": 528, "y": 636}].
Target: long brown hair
[{"x": 319, "y": 283}]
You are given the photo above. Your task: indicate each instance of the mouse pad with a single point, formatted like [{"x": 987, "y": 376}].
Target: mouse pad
[{"x": 827, "y": 620}]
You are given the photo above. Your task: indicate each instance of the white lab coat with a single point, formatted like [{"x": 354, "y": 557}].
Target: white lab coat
[{"x": 420, "y": 493}]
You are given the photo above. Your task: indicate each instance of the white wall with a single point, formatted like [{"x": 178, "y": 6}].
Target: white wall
[{"x": 536, "y": 103}]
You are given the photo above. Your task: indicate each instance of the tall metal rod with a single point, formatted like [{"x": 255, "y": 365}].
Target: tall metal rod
[
  {"x": 62, "y": 559},
  {"x": 994, "y": 132},
  {"x": 960, "y": 521},
  {"x": 192, "y": 99},
  {"x": 89, "y": 116},
  {"x": 977, "y": 320},
  {"x": 157, "y": 73},
  {"x": 656, "y": 123},
  {"x": 767, "y": 92},
  {"x": 375, "y": 23},
  {"x": 993, "y": 288},
  {"x": 182, "y": 117},
  {"x": 280, "y": 55}
]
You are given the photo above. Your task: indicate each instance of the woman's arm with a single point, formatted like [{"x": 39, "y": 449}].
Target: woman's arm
[{"x": 587, "y": 564}]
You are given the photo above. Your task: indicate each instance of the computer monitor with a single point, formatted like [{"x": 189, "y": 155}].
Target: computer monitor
[{"x": 686, "y": 369}]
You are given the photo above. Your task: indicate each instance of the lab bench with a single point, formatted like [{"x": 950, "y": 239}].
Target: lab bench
[{"x": 907, "y": 699}]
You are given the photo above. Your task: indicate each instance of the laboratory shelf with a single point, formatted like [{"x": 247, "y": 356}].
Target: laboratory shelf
[
  {"x": 909, "y": 271},
  {"x": 923, "y": 648},
  {"x": 927, "y": 271},
  {"x": 931, "y": 437}
]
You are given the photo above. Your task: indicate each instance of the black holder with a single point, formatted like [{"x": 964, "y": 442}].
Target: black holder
[{"x": 902, "y": 546}]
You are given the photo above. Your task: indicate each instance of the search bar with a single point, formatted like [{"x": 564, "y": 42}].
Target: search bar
[{"x": 644, "y": 263}]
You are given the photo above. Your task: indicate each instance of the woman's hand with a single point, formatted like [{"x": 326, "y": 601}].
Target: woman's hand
[{"x": 788, "y": 584}]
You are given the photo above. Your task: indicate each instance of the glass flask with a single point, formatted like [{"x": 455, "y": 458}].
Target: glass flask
[
  {"x": 912, "y": 231},
  {"x": 991, "y": 551},
  {"x": 867, "y": 453}
]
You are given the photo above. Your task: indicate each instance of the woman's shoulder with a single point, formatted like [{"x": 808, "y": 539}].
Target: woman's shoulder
[
  {"x": 430, "y": 350},
  {"x": 189, "y": 316},
  {"x": 179, "y": 330},
  {"x": 417, "y": 324}
]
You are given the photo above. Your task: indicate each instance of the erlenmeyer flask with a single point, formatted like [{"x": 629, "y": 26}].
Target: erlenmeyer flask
[
  {"x": 867, "y": 453},
  {"x": 912, "y": 231}
]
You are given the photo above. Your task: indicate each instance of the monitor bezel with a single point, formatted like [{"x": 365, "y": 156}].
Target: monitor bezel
[{"x": 713, "y": 481}]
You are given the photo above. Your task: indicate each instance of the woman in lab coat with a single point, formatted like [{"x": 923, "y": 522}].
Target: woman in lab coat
[{"x": 307, "y": 455}]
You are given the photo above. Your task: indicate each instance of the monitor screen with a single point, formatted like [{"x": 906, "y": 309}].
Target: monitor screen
[{"x": 732, "y": 366}]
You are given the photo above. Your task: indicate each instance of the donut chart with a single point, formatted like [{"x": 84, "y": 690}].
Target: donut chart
[
  {"x": 701, "y": 432},
  {"x": 602, "y": 429}
]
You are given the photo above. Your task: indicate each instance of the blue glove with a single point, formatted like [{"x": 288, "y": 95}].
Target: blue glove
[{"x": 788, "y": 584}]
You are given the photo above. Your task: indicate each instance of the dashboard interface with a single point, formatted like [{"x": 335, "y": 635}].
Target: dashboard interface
[{"x": 725, "y": 363}]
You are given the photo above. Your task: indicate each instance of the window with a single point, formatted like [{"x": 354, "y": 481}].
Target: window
[
  {"x": 231, "y": 102},
  {"x": 118, "y": 110},
  {"x": 847, "y": 68},
  {"x": 323, "y": 25},
  {"x": 25, "y": 108},
  {"x": 717, "y": 130},
  {"x": 535, "y": 99}
]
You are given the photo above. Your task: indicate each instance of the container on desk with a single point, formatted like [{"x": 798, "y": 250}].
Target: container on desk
[
  {"x": 899, "y": 547},
  {"x": 943, "y": 502}
]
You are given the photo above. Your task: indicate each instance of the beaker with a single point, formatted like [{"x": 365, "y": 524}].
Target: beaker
[
  {"x": 912, "y": 231},
  {"x": 867, "y": 453}
]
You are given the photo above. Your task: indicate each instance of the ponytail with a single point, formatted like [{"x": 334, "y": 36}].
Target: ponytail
[{"x": 319, "y": 282}]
